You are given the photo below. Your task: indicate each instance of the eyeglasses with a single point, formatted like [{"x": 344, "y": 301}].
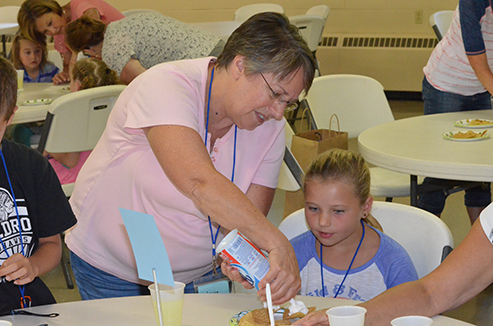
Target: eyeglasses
[{"x": 289, "y": 106}]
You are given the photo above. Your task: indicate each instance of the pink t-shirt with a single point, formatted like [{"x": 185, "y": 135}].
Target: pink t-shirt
[
  {"x": 122, "y": 171},
  {"x": 107, "y": 12},
  {"x": 66, "y": 175}
]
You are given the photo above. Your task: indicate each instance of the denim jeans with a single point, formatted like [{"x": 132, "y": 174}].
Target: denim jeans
[
  {"x": 436, "y": 101},
  {"x": 94, "y": 283}
]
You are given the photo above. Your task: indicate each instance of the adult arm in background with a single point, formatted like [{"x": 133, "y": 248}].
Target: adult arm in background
[
  {"x": 465, "y": 273},
  {"x": 132, "y": 69},
  {"x": 183, "y": 157},
  {"x": 23, "y": 270},
  {"x": 479, "y": 64}
]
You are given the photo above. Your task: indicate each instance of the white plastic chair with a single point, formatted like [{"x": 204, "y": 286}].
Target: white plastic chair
[
  {"x": 8, "y": 24},
  {"x": 440, "y": 22},
  {"x": 320, "y": 10},
  {"x": 75, "y": 121},
  {"x": 360, "y": 103},
  {"x": 311, "y": 27},
  {"x": 426, "y": 238},
  {"x": 245, "y": 12},
  {"x": 139, "y": 11}
]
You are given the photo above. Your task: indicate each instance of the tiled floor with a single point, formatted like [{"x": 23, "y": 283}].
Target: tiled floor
[{"x": 478, "y": 311}]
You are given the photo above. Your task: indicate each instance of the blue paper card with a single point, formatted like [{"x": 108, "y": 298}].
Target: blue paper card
[{"x": 148, "y": 247}]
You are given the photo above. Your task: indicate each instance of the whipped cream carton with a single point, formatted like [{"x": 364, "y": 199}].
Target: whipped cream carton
[{"x": 242, "y": 254}]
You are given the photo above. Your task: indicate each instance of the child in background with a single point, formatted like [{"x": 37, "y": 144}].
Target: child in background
[
  {"x": 359, "y": 262},
  {"x": 33, "y": 212},
  {"x": 86, "y": 73},
  {"x": 31, "y": 57}
]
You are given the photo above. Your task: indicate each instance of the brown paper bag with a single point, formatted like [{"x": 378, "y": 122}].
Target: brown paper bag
[{"x": 307, "y": 145}]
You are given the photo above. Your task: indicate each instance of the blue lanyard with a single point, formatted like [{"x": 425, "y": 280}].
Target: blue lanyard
[
  {"x": 21, "y": 287},
  {"x": 214, "y": 236},
  {"x": 350, "y": 265}
]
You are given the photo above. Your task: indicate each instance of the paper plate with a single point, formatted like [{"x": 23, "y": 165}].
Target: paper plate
[
  {"x": 235, "y": 320},
  {"x": 40, "y": 101},
  {"x": 450, "y": 136},
  {"x": 474, "y": 123}
]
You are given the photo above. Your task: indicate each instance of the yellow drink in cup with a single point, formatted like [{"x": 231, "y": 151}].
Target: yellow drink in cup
[
  {"x": 20, "y": 79},
  {"x": 170, "y": 311},
  {"x": 171, "y": 303}
]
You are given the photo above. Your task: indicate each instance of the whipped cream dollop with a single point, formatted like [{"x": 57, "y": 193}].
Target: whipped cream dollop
[
  {"x": 274, "y": 308},
  {"x": 297, "y": 306}
]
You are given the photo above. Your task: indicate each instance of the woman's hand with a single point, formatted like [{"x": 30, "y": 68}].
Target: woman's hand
[
  {"x": 283, "y": 276},
  {"x": 234, "y": 275},
  {"x": 61, "y": 78},
  {"x": 317, "y": 318},
  {"x": 18, "y": 268}
]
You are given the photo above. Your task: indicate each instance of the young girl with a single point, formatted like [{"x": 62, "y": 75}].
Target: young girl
[
  {"x": 87, "y": 73},
  {"x": 31, "y": 57},
  {"x": 359, "y": 261}
]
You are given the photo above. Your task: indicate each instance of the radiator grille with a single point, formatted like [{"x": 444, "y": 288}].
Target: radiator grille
[{"x": 379, "y": 42}]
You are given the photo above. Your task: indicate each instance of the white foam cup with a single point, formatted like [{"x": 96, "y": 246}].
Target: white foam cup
[
  {"x": 346, "y": 316},
  {"x": 5, "y": 323},
  {"x": 412, "y": 321},
  {"x": 171, "y": 303}
]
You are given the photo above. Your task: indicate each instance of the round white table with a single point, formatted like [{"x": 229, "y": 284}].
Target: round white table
[
  {"x": 34, "y": 91},
  {"x": 198, "y": 309},
  {"x": 416, "y": 146}
]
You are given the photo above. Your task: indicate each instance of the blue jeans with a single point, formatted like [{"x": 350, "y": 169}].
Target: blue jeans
[
  {"x": 94, "y": 283},
  {"x": 436, "y": 101}
]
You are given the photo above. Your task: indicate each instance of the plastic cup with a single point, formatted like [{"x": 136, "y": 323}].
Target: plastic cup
[
  {"x": 346, "y": 316},
  {"x": 5, "y": 323},
  {"x": 20, "y": 79},
  {"x": 171, "y": 303},
  {"x": 412, "y": 321}
]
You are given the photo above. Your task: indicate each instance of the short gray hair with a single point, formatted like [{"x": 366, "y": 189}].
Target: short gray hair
[{"x": 270, "y": 43}]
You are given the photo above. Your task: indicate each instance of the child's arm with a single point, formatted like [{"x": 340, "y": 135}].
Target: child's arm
[{"x": 23, "y": 270}]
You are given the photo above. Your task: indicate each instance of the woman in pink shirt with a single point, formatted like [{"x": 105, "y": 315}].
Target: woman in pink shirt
[
  {"x": 39, "y": 18},
  {"x": 197, "y": 144}
]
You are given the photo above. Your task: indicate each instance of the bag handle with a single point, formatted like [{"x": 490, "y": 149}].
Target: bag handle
[
  {"x": 338, "y": 124},
  {"x": 309, "y": 120}
]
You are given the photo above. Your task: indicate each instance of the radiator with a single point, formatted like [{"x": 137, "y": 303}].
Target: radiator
[{"x": 396, "y": 62}]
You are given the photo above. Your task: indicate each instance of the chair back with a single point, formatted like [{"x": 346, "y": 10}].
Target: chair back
[
  {"x": 426, "y": 238},
  {"x": 245, "y": 12},
  {"x": 8, "y": 15},
  {"x": 139, "y": 11},
  {"x": 76, "y": 121},
  {"x": 358, "y": 101},
  {"x": 440, "y": 22},
  {"x": 311, "y": 27},
  {"x": 320, "y": 10},
  {"x": 287, "y": 181}
]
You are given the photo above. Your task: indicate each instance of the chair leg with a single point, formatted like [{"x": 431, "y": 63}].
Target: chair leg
[
  {"x": 65, "y": 264},
  {"x": 66, "y": 272}
]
